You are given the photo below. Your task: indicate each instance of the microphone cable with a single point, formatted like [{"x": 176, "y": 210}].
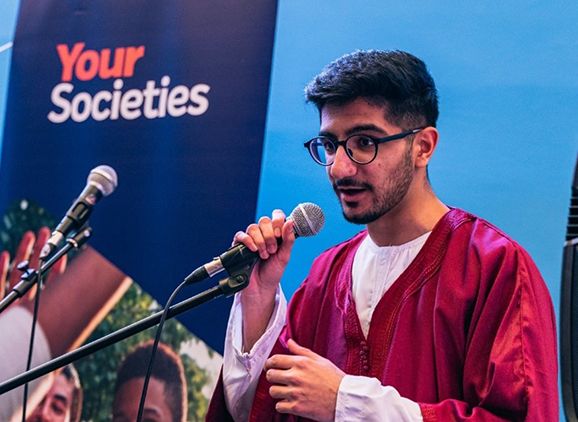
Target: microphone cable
[
  {"x": 73, "y": 242},
  {"x": 154, "y": 348},
  {"x": 39, "y": 286}
]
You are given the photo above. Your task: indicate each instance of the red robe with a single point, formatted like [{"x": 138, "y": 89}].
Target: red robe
[{"x": 467, "y": 331}]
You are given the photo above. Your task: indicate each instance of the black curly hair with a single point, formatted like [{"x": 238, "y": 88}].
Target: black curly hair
[{"x": 396, "y": 80}]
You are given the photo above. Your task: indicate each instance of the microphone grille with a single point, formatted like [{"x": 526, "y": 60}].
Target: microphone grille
[
  {"x": 308, "y": 219},
  {"x": 104, "y": 178}
]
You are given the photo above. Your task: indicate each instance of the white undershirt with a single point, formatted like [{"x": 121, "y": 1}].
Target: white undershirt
[{"x": 375, "y": 269}]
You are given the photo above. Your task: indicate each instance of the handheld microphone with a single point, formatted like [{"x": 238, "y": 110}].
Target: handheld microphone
[
  {"x": 101, "y": 181},
  {"x": 308, "y": 220}
]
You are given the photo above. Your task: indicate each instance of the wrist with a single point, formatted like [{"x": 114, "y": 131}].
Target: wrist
[
  {"x": 257, "y": 309},
  {"x": 258, "y": 294}
]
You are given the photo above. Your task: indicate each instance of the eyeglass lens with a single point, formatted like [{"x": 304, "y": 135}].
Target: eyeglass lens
[{"x": 360, "y": 149}]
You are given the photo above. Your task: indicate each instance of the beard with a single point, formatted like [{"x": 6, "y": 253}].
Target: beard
[{"x": 387, "y": 196}]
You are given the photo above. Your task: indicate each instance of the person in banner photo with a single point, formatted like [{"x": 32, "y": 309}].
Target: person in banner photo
[
  {"x": 63, "y": 402},
  {"x": 179, "y": 380},
  {"x": 166, "y": 399},
  {"x": 429, "y": 313},
  {"x": 59, "y": 329}
]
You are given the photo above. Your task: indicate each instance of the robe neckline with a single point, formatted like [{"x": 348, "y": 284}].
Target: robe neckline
[{"x": 366, "y": 356}]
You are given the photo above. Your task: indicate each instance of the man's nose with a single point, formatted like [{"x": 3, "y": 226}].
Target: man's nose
[{"x": 342, "y": 165}]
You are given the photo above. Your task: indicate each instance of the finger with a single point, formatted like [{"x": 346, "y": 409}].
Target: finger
[
  {"x": 41, "y": 238},
  {"x": 60, "y": 265},
  {"x": 22, "y": 254},
  {"x": 57, "y": 269},
  {"x": 266, "y": 226},
  {"x": 4, "y": 263},
  {"x": 25, "y": 247},
  {"x": 243, "y": 238},
  {"x": 296, "y": 349},
  {"x": 278, "y": 221},
  {"x": 31, "y": 294},
  {"x": 34, "y": 256},
  {"x": 254, "y": 231},
  {"x": 287, "y": 406},
  {"x": 280, "y": 362},
  {"x": 288, "y": 236},
  {"x": 279, "y": 376},
  {"x": 280, "y": 392}
]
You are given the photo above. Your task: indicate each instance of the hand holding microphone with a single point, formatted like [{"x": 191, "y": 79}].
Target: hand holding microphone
[{"x": 269, "y": 238}]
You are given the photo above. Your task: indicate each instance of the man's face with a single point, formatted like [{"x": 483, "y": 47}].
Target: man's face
[
  {"x": 55, "y": 407},
  {"x": 127, "y": 399},
  {"x": 366, "y": 192}
]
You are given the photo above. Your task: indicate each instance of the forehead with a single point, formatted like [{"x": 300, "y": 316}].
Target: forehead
[
  {"x": 127, "y": 400},
  {"x": 338, "y": 118},
  {"x": 61, "y": 388}
]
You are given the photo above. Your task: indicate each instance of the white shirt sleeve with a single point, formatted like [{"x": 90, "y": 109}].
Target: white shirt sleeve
[
  {"x": 358, "y": 398},
  {"x": 365, "y": 399},
  {"x": 15, "y": 326},
  {"x": 241, "y": 370}
]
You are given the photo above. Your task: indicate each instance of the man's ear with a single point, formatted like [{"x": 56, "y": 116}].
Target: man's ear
[{"x": 424, "y": 145}]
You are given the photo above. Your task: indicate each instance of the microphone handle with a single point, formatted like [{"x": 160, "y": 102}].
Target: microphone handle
[
  {"x": 233, "y": 259},
  {"x": 80, "y": 210},
  {"x": 236, "y": 257},
  {"x": 76, "y": 216}
]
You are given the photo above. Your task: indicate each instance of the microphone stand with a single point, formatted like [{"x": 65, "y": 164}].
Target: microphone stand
[
  {"x": 237, "y": 281},
  {"x": 30, "y": 277}
]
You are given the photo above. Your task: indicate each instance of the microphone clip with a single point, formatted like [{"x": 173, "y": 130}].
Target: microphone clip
[
  {"x": 239, "y": 271},
  {"x": 234, "y": 283}
]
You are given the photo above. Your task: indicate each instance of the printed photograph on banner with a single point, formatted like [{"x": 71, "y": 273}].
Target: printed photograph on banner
[{"x": 105, "y": 385}]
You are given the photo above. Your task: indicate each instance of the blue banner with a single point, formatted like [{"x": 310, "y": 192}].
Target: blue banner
[{"x": 173, "y": 96}]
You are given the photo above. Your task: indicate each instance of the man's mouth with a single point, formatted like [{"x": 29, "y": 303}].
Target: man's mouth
[{"x": 350, "y": 191}]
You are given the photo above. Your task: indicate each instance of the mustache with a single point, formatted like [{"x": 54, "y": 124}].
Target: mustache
[{"x": 351, "y": 183}]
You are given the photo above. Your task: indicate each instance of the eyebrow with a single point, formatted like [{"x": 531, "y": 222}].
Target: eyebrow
[
  {"x": 355, "y": 129},
  {"x": 61, "y": 398},
  {"x": 152, "y": 411}
]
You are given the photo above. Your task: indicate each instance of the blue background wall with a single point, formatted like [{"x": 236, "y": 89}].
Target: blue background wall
[
  {"x": 506, "y": 74},
  {"x": 508, "y": 94}
]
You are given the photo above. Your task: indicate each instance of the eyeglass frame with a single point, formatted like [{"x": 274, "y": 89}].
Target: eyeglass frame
[{"x": 337, "y": 143}]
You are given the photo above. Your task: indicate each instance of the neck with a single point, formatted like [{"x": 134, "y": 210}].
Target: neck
[{"x": 416, "y": 214}]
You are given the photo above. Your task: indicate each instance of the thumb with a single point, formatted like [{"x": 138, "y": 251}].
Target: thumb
[{"x": 296, "y": 349}]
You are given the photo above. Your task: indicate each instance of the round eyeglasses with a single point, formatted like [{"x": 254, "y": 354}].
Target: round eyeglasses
[{"x": 361, "y": 149}]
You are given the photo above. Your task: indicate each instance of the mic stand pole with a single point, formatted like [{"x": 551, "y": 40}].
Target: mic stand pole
[
  {"x": 226, "y": 287},
  {"x": 29, "y": 277}
]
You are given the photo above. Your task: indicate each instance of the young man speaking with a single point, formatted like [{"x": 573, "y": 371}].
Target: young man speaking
[{"x": 431, "y": 313}]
